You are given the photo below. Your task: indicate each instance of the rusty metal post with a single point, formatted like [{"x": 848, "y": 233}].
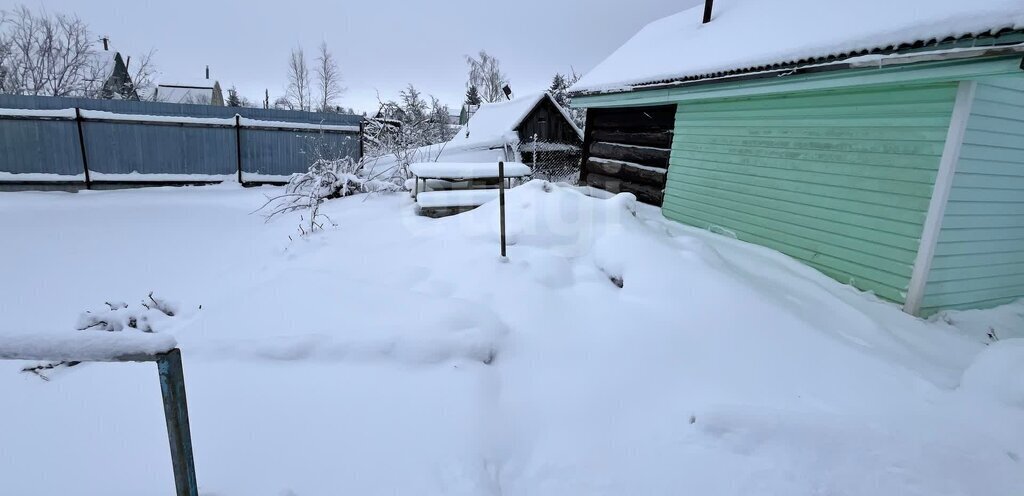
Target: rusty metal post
[
  {"x": 172, "y": 387},
  {"x": 501, "y": 203}
]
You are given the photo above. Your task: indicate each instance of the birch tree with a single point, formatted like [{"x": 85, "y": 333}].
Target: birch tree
[
  {"x": 298, "y": 80},
  {"x": 485, "y": 75},
  {"x": 328, "y": 79}
]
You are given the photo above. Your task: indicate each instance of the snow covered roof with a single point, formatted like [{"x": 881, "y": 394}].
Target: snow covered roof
[
  {"x": 494, "y": 122},
  {"x": 194, "y": 92},
  {"x": 484, "y": 136},
  {"x": 751, "y": 34}
]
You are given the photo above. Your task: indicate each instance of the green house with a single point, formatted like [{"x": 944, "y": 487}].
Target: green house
[{"x": 881, "y": 143}]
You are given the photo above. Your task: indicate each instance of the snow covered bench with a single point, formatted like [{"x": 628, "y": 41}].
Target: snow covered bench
[
  {"x": 452, "y": 187},
  {"x": 456, "y": 198}
]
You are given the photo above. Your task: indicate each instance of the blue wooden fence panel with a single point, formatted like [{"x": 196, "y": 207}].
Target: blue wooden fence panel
[{"x": 39, "y": 145}]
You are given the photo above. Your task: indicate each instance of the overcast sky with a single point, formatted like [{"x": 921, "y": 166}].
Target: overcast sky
[{"x": 381, "y": 45}]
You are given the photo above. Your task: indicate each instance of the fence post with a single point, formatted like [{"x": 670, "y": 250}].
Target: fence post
[
  {"x": 81, "y": 146},
  {"x": 362, "y": 129},
  {"x": 238, "y": 145},
  {"x": 172, "y": 388}
]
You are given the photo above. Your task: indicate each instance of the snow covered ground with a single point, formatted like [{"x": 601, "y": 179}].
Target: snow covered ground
[{"x": 395, "y": 354}]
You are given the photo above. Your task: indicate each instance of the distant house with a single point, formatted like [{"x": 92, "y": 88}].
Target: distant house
[
  {"x": 506, "y": 131},
  {"x": 205, "y": 92},
  {"x": 880, "y": 142},
  {"x": 119, "y": 85}
]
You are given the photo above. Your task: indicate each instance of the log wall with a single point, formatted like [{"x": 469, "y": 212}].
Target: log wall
[{"x": 627, "y": 150}]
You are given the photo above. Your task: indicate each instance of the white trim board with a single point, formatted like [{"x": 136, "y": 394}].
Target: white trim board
[{"x": 940, "y": 196}]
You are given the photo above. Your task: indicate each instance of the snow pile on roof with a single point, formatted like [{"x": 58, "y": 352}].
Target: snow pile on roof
[
  {"x": 745, "y": 34},
  {"x": 495, "y": 123}
]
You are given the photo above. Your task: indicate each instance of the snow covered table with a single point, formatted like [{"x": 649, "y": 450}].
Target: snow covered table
[
  {"x": 73, "y": 348},
  {"x": 478, "y": 184},
  {"x": 469, "y": 170}
]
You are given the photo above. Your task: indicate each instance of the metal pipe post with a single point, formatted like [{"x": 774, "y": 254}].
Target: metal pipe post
[
  {"x": 172, "y": 387},
  {"x": 501, "y": 203}
]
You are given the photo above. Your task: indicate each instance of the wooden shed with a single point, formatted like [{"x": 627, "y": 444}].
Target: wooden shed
[
  {"x": 507, "y": 131},
  {"x": 885, "y": 151}
]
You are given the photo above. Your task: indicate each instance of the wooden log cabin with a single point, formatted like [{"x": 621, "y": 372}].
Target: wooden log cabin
[{"x": 627, "y": 150}]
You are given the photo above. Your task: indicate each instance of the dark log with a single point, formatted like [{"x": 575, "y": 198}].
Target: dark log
[
  {"x": 657, "y": 139},
  {"x": 635, "y": 118},
  {"x": 627, "y": 171},
  {"x": 648, "y": 194},
  {"x": 653, "y": 157}
]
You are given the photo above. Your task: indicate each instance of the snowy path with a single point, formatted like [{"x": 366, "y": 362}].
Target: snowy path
[{"x": 397, "y": 355}]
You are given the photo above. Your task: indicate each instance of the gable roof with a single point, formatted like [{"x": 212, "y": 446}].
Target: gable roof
[
  {"x": 484, "y": 136},
  {"x": 495, "y": 122},
  {"x": 751, "y": 35},
  {"x": 119, "y": 84}
]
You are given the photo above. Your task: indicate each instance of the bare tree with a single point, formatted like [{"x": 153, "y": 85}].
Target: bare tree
[
  {"x": 46, "y": 55},
  {"x": 143, "y": 72},
  {"x": 283, "y": 103},
  {"x": 298, "y": 80},
  {"x": 5, "y": 54},
  {"x": 395, "y": 134},
  {"x": 328, "y": 79},
  {"x": 486, "y": 76}
]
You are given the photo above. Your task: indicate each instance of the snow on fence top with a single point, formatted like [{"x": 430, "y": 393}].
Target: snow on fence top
[
  {"x": 245, "y": 122},
  {"x": 84, "y": 346},
  {"x": 469, "y": 170},
  {"x": 746, "y": 34},
  {"x": 68, "y": 113},
  {"x": 172, "y": 119},
  {"x": 256, "y": 123}
]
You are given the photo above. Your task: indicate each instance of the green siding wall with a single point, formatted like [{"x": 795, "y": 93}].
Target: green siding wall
[
  {"x": 979, "y": 258},
  {"x": 839, "y": 179}
]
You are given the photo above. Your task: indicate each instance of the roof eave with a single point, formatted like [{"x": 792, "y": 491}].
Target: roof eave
[{"x": 860, "y": 60}]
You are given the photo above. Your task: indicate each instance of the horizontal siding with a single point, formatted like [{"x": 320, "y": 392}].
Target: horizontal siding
[
  {"x": 840, "y": 180},
  {"x": 979, "y": 258}
]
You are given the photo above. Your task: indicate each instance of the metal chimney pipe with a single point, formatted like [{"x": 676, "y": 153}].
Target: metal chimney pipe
[
  {"x": 707, "y": 10},
  {"x": 207, "y": 72}
]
